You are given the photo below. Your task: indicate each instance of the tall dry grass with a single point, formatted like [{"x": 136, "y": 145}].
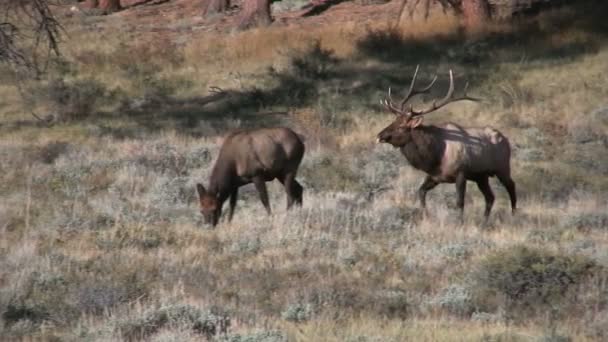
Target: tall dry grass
[{"x": 100, "y": 237}]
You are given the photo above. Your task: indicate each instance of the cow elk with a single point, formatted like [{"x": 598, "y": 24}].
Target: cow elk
[
  {"x": 449, "y": 153},
  {"x": 252, "y": 156}
]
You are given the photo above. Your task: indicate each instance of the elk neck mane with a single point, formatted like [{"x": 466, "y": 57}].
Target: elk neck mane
[{"x": 425, "y": 149}]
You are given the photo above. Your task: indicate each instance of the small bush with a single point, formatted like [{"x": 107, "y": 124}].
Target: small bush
[
  {"x": 381, "y": 41},
  {"x": 456, "y": 251},
  {"x": 95, "y": 298},
  {"x": 390, "y": 303},
  {"x": 486, "y": 317},
  {"x": 529, "y": 277},
  {"x": 51, "y": 151},
  {"x": 25, "y": 314},
  {"x": 505, "y": 337},
  {"x": 246, "y": 246},
  {"x": 544, "y": 235},
  {"x": 328, "y": 173},
  {"x": 264, "y": 336},
  {"x": 554, "y": 337},
  {"x": 43, "y": 297},
  {"x": 316, "y": 63},
  {"x": 597, "y": 327},
  {"x": 586, "y": 221},
  {"x": 456, "y": 299},
  {"x": 298, "y": 313},
  {"x": 74, "y": 99},
  {"x": 207, "y": 323},
  {"x": 395, "y": 218}
]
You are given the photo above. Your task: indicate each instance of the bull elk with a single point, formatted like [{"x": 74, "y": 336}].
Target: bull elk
[
  {"x": 449, "y": 153},
  {"x": 252, "y": 156}
]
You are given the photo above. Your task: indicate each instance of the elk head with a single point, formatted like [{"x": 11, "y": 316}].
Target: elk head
[
  {"x": 398, "y": 133},
  {"x": 211, "y": 206}
]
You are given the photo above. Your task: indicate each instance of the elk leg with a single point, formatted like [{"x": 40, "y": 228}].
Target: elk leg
[
  {"x": 428, "y": 184},
  {"x": 293, "y": 189},
  {"x": 260, "y": 186},
  {"x": 461, "y": 189},
  {"x": 233, "y": 197},
  {"x": 484, "y": 186},
  {"x": 509, "y": 184}
]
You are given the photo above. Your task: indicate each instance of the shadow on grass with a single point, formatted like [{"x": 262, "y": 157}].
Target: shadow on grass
[
  {"x": 335, "y": 88},
  {"x": 557, "y": 36}
]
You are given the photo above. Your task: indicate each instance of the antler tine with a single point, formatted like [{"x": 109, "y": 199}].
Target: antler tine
[
  {"x": 424, "y": 90},
  {"x": 448, "y": 96},
  {"x": 447, "y": 99},
  {"x": 409, "y": 92},
  {"x": 413, "y": 92},
  {"x": 388, "y": 103},
  {"x": 467, "y": 97}
]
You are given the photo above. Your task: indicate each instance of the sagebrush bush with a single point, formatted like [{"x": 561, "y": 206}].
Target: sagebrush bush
[
  {"x": 324, "y": 171},
  {"x": 456, "y": 299},
  {"x": 315, "y": 63},
  {"x": 44, "y": 297},
  {"x": 98, "y": 297},
  {"x": 51, "y": 151},
  {"x": 261, "y": 336},
  {"x": 528, "y": 277},
  {"x": 75, "y": 99},
  {"x": 590, "y": 220},
  {"x": 205, "y": 322},
  {"x": 390, "y": 303},
  {"x": 298, "y": 312}
]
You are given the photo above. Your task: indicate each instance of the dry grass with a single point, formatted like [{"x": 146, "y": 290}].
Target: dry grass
[{"x": 100, "y": 238}]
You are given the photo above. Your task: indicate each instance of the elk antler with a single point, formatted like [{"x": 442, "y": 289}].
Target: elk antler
[
  {"x": 388, "y": 101},
  {"x": 447, "y": 99}
]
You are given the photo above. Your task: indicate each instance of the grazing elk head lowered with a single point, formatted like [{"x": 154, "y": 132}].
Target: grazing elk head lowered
[
  {"x": 211, "y": 207},
  {"x": 448, "y": 153},
  {"x": 252, "y": 156}
]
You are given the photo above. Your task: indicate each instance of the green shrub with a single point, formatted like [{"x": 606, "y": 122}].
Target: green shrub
[{"x": 528, "y": 277}]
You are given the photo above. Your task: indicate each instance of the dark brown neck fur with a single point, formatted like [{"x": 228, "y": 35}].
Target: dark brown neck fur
[
  {"x": 223, "y": 179},
  {"x": 425, "y": 149}
]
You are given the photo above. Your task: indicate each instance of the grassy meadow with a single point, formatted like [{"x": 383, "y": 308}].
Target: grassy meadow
[{"x": 101, "y": 238}]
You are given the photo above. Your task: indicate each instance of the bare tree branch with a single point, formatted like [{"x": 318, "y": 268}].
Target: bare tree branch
[{"x": 29, "y": 34}]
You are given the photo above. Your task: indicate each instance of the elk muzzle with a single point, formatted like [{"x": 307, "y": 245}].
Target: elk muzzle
[{"x": 383, "y": 137}]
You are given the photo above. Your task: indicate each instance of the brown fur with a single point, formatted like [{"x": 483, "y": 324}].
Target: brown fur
[
  {"x": 253, "y": 156},
  {"x": 452, "y": 154}
]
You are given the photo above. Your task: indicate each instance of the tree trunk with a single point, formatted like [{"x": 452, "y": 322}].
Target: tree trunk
[
  {"x": 475, "y": 14},
  {"x": 211, "y": 7},
  {"x": 107, "y": 6},
  {"x": 255, "y": 13}
]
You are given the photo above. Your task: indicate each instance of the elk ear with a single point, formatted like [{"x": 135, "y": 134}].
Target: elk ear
[
  {"x": 201, "y": 190},
  {"x": 415, "y": 122}
]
